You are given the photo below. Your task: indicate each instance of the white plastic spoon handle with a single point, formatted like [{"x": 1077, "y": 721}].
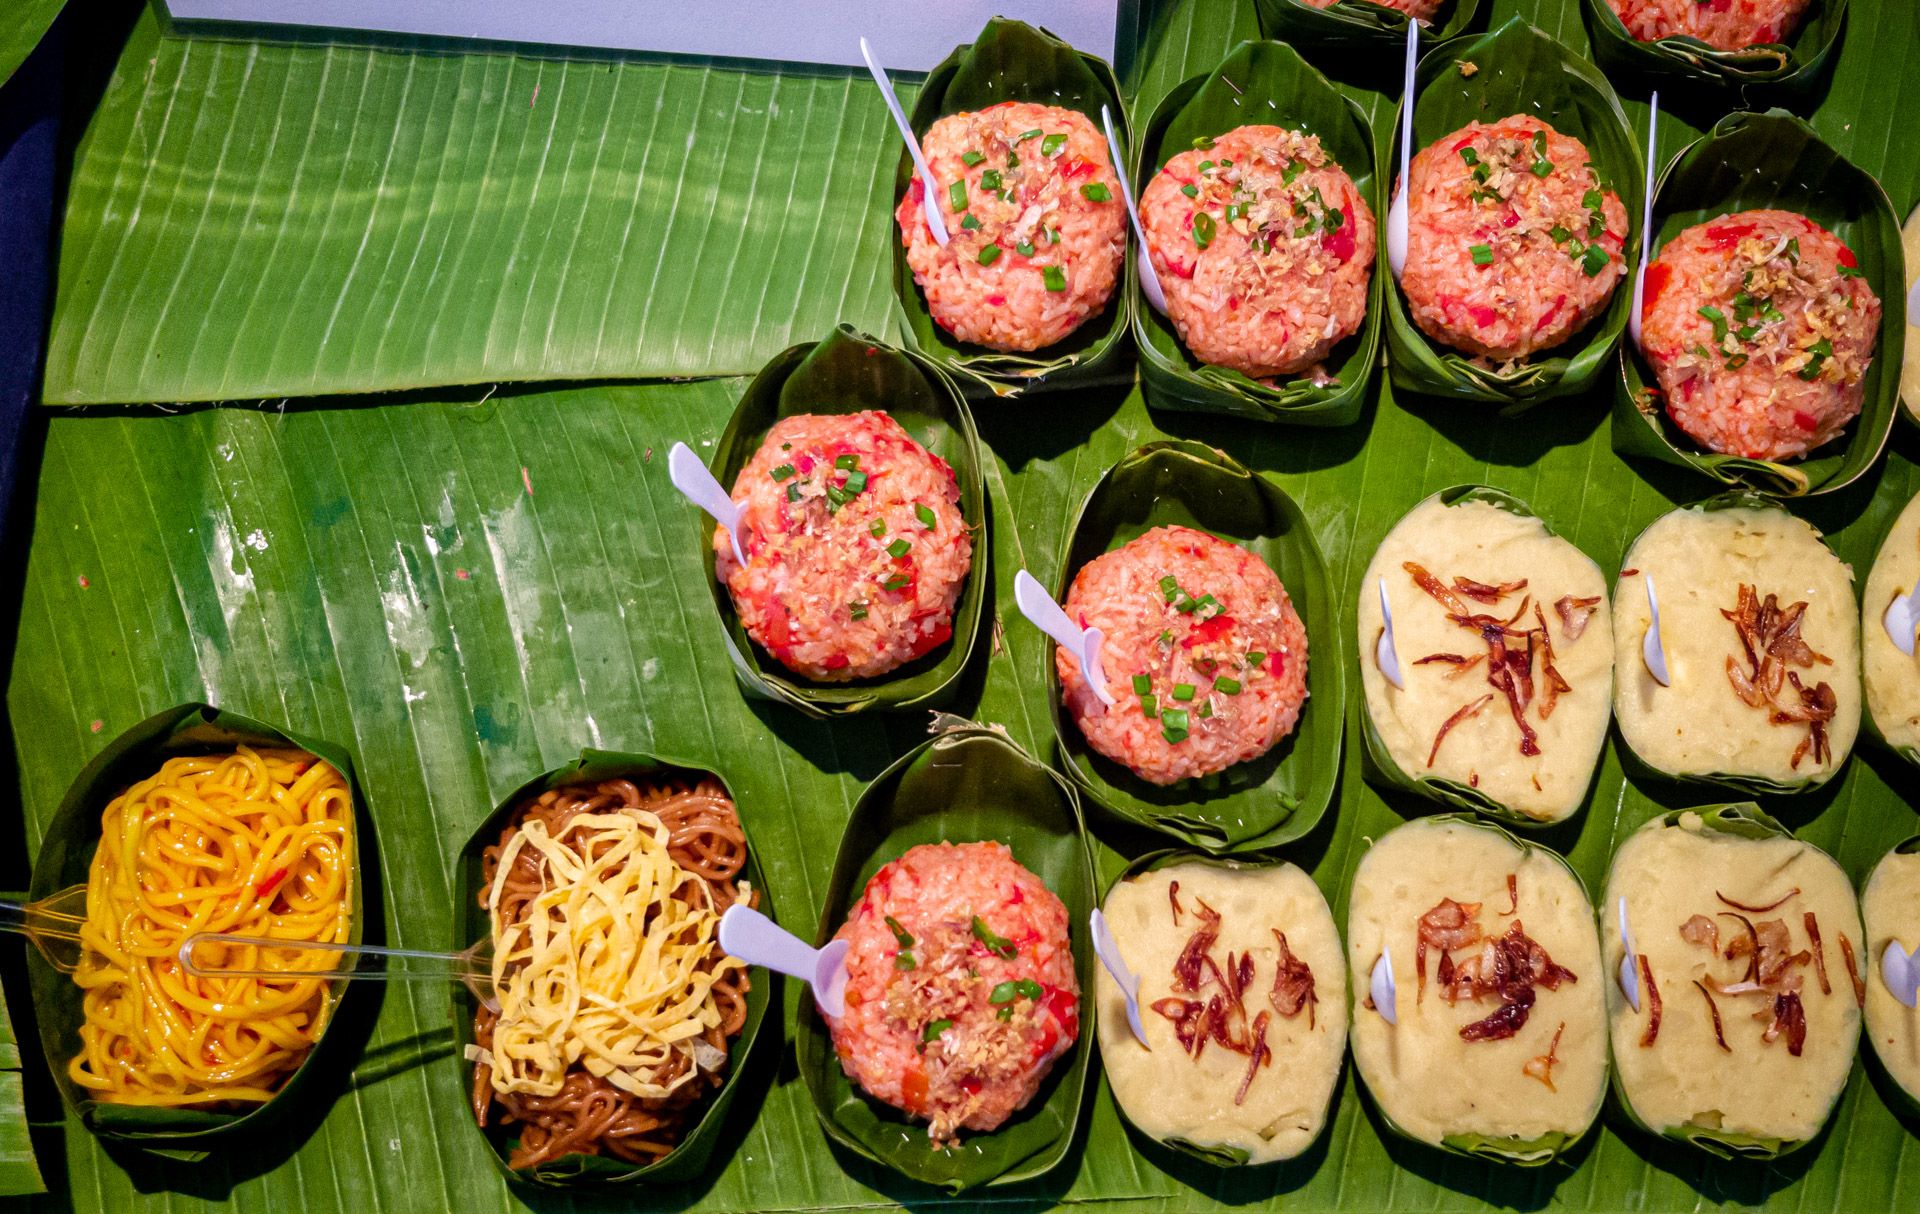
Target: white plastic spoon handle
[
  {"x": 757, "y": 940},
  {"x": 1046, "y": 615},
  {"x": 1398, "y": 218},
  {"x": 1902, "y": 976},
  {"x": 1382, "y": 989},
  {"x": 1899, "y": 620},
  {"x": 1149, "y": 277},
  {"x": 1386, "y": 654},
  {"x": 690, "y": 476},
  {"x": 1913, "y": 303},
  {"x": 1629, "y": 961},
  {"x": 1129, "y": 982},
  {"x": 930, "y": 202},
  {"x": 1653, "y": 646},
  {"x": 1646, "y": 220}
]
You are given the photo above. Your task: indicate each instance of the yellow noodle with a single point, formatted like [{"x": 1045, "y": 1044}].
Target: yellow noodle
[{"x": 256, "y": 843}]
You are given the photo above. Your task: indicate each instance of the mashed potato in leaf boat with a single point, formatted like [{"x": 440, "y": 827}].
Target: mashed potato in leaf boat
[
  {"x": 1890, "y": 906},
  {"x": 1504, "y": 645},
  {"x": 1892, "y": 678},
  {"x": 1243, "y": 998},
  {"x": 1735, "y": 1026},
  {"x": 1761, "y": 637},
  {"x": 1479, "y": 1023}
]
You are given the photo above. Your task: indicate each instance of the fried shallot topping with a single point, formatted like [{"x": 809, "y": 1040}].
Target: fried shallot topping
[
  {"x": 1509, "y": 967},
  {"x": 1701, "y": 930},
  {"x": 1651, "y": 989},
  {"x": 1173, "y": 896},
  {"x": 1292, "y": 983},
  {"x": 1771, "y": 962},
  {"x": 1819, "y": 953},
  {"x": 1513, "y": 895},
  {"x": 1713, "y": 1009},
  {"x": 1510, "y": 652},
  {"x": 1541, "y": 1066},
  {"x": 1790, "y": 1018},
  {"x": 1853, "y": 971},
  {"x": 1758, "y": 910},
  {"x": 1574, "y": 614},
  {"x": 1770, "y": 640}
]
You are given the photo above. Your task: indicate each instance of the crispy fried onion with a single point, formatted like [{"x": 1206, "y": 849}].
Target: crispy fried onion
[
  {"x": 1713, "y": 1009},
  {"x": 1770, "y": 641},
  {"x": 1650, "y": 990},
  {"x": 1209, "y": 1003},
  {"x": 1508, "y": 967},
  {"x": 1770, "y": 968},
  {"x": 1511, "y": 653},
  {"x": 1853, "y": 971},
  {"x": 1541, "y": 1066}
]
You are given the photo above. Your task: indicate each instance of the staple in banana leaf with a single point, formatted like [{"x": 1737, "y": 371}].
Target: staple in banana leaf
[
  {"x": 1890, "y": 914},
  {"x": 1357, "y": 25},
  {"x": 1749, "y": 1059},
  {"x": 1281, "y": 795},
  {"x": 1517, "y": 69},
  {"x": 1265, "y": 83},
  {"x": 969, "y": 783},
  {"x": 847, "y": 373},
  {"x": 1706, "y": 727},
  {"x": 1888, "y": 675},
  {"x": 65, "y": 856},
  {"x": 1504, "y": 554},
  {"x": 1789, "y": 73},
  {"x": 1474, "y": 1066},
  {"x": 472, "y": 922},
  {"x": 1776, "y": 161},
  {"x": 1013, "y": 61},
  {"x": 1218, "y": 1104}
]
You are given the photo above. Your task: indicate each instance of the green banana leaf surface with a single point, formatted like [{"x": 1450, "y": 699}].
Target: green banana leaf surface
[
  {"x": 468, "y": 584},
  {"x": 1774, "y": 160},
  {"x": 1349, "y": 26},
  {"x": 22, "y": 26},
  {"x": 19, "y": 1171},
  {"x": 1264, "y": 83}
]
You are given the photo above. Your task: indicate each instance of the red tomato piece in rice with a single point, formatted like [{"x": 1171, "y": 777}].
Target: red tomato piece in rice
[
  {"x": 1513, "y": 243},
  {"x": 1264, "y": 249},
  {"x": 1036, "y": 221},
  {"x": 856, "y": 547},
  {"x": 961, "y": 990},
  {"x": 1760, "y": 327},
  {"x": 1206, "y": 628},
  {"x": 1726, "y": 25}
]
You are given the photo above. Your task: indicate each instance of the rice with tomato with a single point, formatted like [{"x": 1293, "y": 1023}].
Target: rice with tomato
[
  {"x": 1513, "y": 242},
  {"x": 1264, "y": 249},
  {"x": 1726, "y": 25},
  {"x": 961, "y": 990},
  {"x": 1760, "y": 327},
  {"x": 1204, "y": 655},
  {"x": 1036, "y": 222},
  {"x": 856, "y": 547}
]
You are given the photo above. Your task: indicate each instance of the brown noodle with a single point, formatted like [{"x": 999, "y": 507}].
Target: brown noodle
[{"x": 590, "y": 1115}]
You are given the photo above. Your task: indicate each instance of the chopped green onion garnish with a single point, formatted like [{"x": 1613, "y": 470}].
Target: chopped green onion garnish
[
  {"x": 1170, "y": 587},
  {"x": 899, "y": 548},
  {"x": 1255, "y": 658},
  {"x": 1294, "y": 169},
  {"x": 1095, "y": 191},
  {"x": 1029, "y": 988},
  {"x": 1594, "y": 261},
  {"x": 1203, "y": 143},
  {"x": 1822, "y": 351},
  {"x": 1469, "y": 155},
  {"x": 1558, "y": 234},
  {"x": 934, "y": 1029},
  {"x": 1166, "y": 636},
  {"x": 1542, "y": 168},
  {"x": 898, "y": 581},
  {"x": 972, "y": 158},
  {"x": 1205, "y": 710},
  {"x": 793, "y": 493},
  {"x": 1004, "y": 993},
  {"x": 1142, "y": 684},
  {"x": 957, "y": 195},
  {"x": 999, "y": 945},
  {"x": 1013, "y": 161},
  {"x": 1055, "y": 278},
  {"x": 900, "y": 933},
  {"x": 857, "y": 610},
  {"x": 1051, "y": 145},
  {"x": 1227, "y": 687},
  {"x": 782, "y": 472},
  {"x": 1482, "y": 254},
  {"x": 990, "y": 180},
  {"x": 1793, "y": 248},
  {"x": 989, "y": 254},
  {"x": 970, "y": 224},
  {"x": 1191, "y": 191},
  {"x": 1719, "y": 320},
  {"x": 1206, "y": 166},
  {"x": 1173, "y": 725},
  {"x": 1026, "y": 135},
  {"x": 1852, "y": 272},
  {"x": 925, "y": 514},
  {"x": 1592, "y": 200},
  {"x": 878, "y": 527},
  {"x": 856, "y": 483},
  {"x": 1596, "y": 226},
  {"x": 904, "y": 961},
  {"x": 1024, "y": 249},
  {"x": 1148, "y": 708},
  {"x": 1053, "y": 235},
  {"x": 1183, "y": 691},
  {"x": 846, "y": 462},
  {"x": 1203, "y": 229}
]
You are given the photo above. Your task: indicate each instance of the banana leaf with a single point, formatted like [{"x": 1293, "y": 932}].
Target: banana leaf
[
  {"x": 969, "y": 783},
  {"x": 1741, "y": 820},
  {"x": 72, "y": 837},
  {"x": 1380, "y": 765},
  {"x": 1758, "y": 786},
  {"x": 1013, "y": 61},
  {"x": 1521, "y": 70},
  {"x": 1775, "y": 160},
  {"x": 1906, "y": 1100},
  {"x": 1788, "y": 73},
  {"x": 1295, "y": 96},
  {"x": 22, "y": 24},
  {"x": 19, "y": 1170},
  {"x": 581, "y": 1173},
  {"x": 1519, "y": 1152},
  {"x": 1212, "y": 1154},
  {"x": 1280, "y": 796},
  {"x": 846, "y": 373},
  {"x": 1360, "y": 26}
]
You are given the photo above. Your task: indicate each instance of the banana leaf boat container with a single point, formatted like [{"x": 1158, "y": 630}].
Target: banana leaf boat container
[
  {"x": 1357, "y": 26},
  {"x": 1789, "y": 72}
]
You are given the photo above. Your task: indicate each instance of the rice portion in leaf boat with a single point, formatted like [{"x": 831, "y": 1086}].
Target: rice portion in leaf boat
[
  {"x": 1204, "y": 655},
  {"x": 1489, "y": 1033},
  {"x": 856, "y": 547},
  {"x": 1264, "y": 248},
  {"x": 1513, "y": 242},
  {"x": 1890, "y": 905},
  {"x": 1037, "y": 225},
  {"x": 1749, "y": 1008},
  {"x": 961, "y": 989},
  {"x": 1762, "y": 644},
  {"x": 1892, "y": 678},
  {"x": 1726, "y": 25},
  {"x": 1760, "y": 326}
]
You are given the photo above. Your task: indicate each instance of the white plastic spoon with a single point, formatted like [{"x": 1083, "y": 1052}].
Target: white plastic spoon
[
  {"x": 1646, "y": 220},
  {"x": 1630, "y": 963},
  {"x": 1129, "y": 982},
  {"x": 1149, "y": 277},
  {"x": 1045, "y": 614},
  {"x": 1901, "y": 971},
  {"x": 1382, "y": 990},
  {"x": 1903, "y": 615},
  {"x": 1913, "y": 302},
  {"x": 930, "y": 189},
  {"x": 690, "y": 476},
  {"x": 1397, "y": 213},
  {"x": 1385, "y": 655},
  {"x": 757, "y": 940},
  {"x": 1653, "y": 650}
]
